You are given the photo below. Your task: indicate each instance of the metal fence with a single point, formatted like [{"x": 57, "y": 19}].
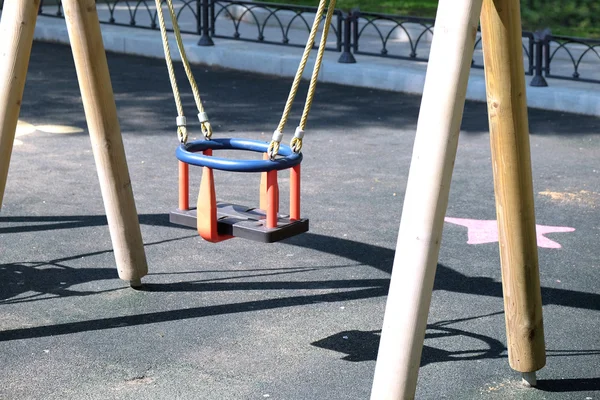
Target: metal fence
[
  {"x": 409, "y": 38},
  {"x": 271, "y": 23},
  {"x": 582, "y": 57},
  {"x": 352, "y": 33},
  {"x": 139, "y": 14}
]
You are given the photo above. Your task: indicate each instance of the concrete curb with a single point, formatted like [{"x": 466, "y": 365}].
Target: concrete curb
[{"x": 371, "y": 72}]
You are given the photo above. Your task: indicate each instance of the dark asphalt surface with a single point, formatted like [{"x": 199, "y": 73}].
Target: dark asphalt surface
[{"x": 299, "y": 319}]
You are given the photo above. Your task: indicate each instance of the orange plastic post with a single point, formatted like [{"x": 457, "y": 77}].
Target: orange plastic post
[
  {"x": 264, "y": 203},
  {"x": 184, "y": 186},
  {"x": 263, "y": 187},
  {"x": 272, "y": 199},
  {"x": 295, "y": 193},
  {"x": 206, "y": 208}
]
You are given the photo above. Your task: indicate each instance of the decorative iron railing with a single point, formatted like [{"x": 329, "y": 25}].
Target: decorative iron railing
[
  {"x": 393, "y": 36},
  {"x": 579, "y": 58},
  {"x": 409, "y": 38},
  {"x": 269, "y": 23},
  {"x": 138, "y": 13},
  {"x": 354, "y": 33}
]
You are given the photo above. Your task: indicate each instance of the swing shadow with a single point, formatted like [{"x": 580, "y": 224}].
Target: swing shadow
[
  {"x": 357, "y": 345},
  {"x": 49, "y": 223},
  {"x": 187, "y": 314},
  {"x": 374, "y": 256},
  {"x": 363, "y": 345},
  {"x": 360, "y": 346},
  {"x": 446, "y": 278},
  {"x": 53, "y": 278},
  {"x": 569, "y": 385}
]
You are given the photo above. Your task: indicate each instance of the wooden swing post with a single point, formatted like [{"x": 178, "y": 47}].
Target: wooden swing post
[
  {"x": 16, "y": 30},
  {"x": 105, "y": 134},
  {"x": 511, "y": 161},
  {"x": 426, "y": 200}
]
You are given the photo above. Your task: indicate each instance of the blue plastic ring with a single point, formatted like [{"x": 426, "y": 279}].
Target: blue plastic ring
[{"x": 190, "y": 153}]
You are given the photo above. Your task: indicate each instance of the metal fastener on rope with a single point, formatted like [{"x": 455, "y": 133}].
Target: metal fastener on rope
[
  {"x": 205, "y": 125},
  {"x": 181, "y": 129},
  {"x": 202, "y": 117}
]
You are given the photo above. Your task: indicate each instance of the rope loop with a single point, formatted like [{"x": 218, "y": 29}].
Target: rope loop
[
  {"x": 273, "y": 149},
  {"x": 296, "y": 143},
  {"x": 206, "y": 130},
  {"x": 182, "y": 134}
]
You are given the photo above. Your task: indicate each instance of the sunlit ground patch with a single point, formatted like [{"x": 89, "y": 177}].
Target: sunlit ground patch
[
  {"x": 582, "y": 197},
  {"x": 25, "y": 128},
  {"x": 58, "y": 129}
]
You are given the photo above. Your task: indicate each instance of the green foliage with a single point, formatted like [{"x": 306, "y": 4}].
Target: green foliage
[
  {"x": 566, "y": 17},
  {"x": 563, "y": 17}
]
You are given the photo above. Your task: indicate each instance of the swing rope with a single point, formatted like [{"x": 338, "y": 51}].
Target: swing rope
[
  {"x": 296, "y": 143},
  {"x": 181, "y": 120},
  {"x": 273, "y": 149}
]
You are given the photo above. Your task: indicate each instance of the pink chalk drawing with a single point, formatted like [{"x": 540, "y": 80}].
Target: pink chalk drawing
[{"x": 486, "y": 231}]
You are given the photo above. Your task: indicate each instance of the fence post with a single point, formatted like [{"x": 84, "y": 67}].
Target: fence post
[
  {"x": 540, "y": 40},
  {"x": 346, "y": 57},
  {"x": 204, "y": 28}
]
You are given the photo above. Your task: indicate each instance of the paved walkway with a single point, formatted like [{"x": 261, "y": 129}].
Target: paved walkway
[{"x": 369, "y": 71}]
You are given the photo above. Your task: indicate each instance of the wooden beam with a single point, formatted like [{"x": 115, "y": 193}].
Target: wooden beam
[
  {"x": 511, "y": 161},
  {"x": 426, "y": 200},
  {"x": 16, "y": 30},
  {"x": 105, "y": 133}
]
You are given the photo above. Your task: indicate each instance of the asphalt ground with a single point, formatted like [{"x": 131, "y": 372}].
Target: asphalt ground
[{"x": 299, "y": 319}]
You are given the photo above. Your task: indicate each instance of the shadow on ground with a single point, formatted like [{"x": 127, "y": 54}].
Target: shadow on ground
[
  {"x": 233, "y": 101},
  {"x": 53, "y": 278},
  {"x": 569, "y": 385},
  {"x": 366, "y": 254}
]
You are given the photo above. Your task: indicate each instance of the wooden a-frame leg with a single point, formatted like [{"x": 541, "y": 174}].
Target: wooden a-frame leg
[
  {"x": 105, "y": 134},
  {"x": 511, "y": 160},
  {"x": 426, "y": 200},
  {"x": 16, "y": 32}
]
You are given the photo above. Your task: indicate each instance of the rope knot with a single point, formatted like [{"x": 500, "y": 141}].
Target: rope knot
[
  {"x": 206, "y": 130},
  {"x": 182, "y": 134},
  {"x": 273, "y": 149},
  {"x": 296, "y": 143}
]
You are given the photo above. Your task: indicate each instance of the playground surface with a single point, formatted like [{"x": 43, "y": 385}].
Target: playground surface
[{"x": 299, "y": 319}]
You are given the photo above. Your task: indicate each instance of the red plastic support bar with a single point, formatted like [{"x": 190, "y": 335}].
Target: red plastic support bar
[
  {"x": 272, "y": 199},
  {"x": 184, "y": 186},
  {"x": 263, "y": 189},
  {"x": 295, "y": 193}
]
